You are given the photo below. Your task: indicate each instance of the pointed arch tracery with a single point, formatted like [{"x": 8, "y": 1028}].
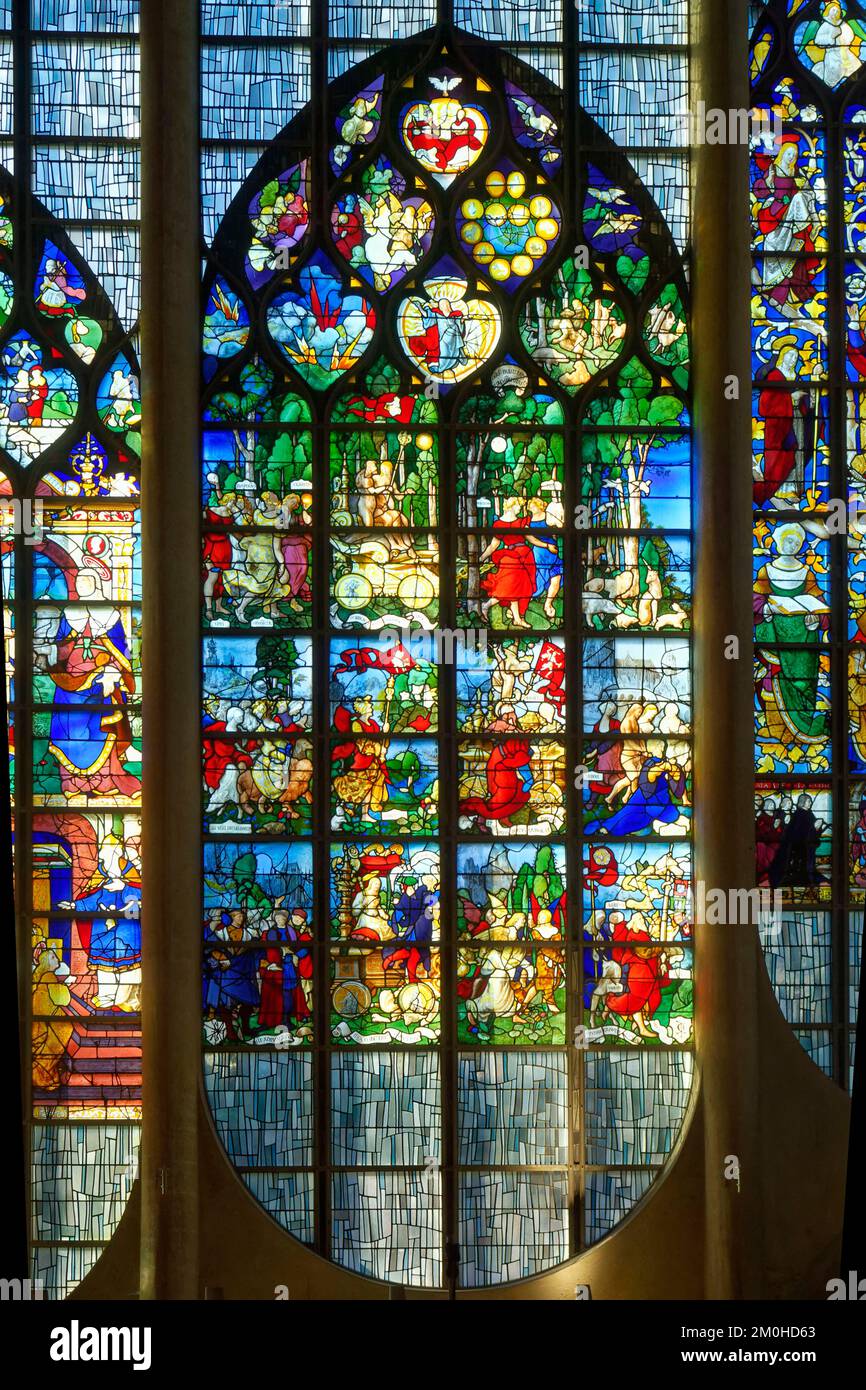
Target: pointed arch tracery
[
  {"x": 446, "y": 485},
  {"x": 808, "y": 301},
  {"x": 69, "y": 443}
]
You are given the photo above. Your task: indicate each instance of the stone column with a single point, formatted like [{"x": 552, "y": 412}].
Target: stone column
[
  {"x": 172, "y": 797},
  {"x": 727, "y": 957}
]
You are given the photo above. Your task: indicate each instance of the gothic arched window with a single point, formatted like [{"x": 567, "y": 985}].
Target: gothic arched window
[
  {"x": 69, "y": 502},
  {"x": 809, "y": 465},
  {"x": 446, "y": 485}
]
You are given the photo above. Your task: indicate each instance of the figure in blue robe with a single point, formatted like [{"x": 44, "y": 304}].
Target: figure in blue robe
[{"x": 650, "y": 802}]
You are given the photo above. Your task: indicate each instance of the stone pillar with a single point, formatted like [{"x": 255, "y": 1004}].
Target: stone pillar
[
  {"x": 172, "y": 797},
  {"x": 727, "y": 957}
]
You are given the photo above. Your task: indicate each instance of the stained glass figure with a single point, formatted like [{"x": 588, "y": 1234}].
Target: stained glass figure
[
  {"x": 448, "y": 331},
  {"x": 279, "y": 218},
  {"x": 830, "y": 46},
  {"x": 442, "y": 131},
  {"x": 380, "y": 229}
]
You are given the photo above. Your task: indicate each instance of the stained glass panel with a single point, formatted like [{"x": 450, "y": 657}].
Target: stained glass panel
[
  {"x": 808, "y": 342},
  {"x": 69, "y": 440}
]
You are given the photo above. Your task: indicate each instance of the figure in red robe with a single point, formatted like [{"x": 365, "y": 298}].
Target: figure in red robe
[
  {"x": 391, "y": 408},
  {"x": 348, "y": 230},
  {"x": 511, "y": 582},
  {"x": 644, "y": 973},
  {"x": 271, "y": 978},
  {"x": 769, "y": 826},
  {"x": 38, "y": 395},
  {"x": 216, "y": 558},
  {"x": 463, "y": 137},
  {"x": 789, "y": 425},
  {"x": 509, "y": 783},
  {"x": 219, "y": 754}
]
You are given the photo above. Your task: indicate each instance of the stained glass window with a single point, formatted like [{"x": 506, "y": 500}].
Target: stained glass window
[
  {"x": 446, "y": 746},
  {"x": 808, "y": 296},
  {"x": 69, "y": 444}
]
